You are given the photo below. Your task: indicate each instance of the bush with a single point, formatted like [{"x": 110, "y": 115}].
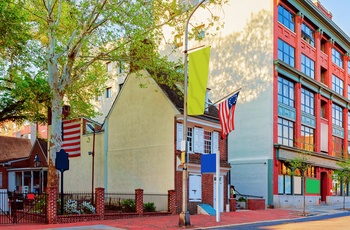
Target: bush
[
  {"x": 129, "y": 205},
  {"x": 149, "y": 207},
  {"x": 242, "y": 199}
]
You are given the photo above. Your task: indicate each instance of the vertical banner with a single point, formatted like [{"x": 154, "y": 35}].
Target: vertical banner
[{"x": 198, "y": 70}]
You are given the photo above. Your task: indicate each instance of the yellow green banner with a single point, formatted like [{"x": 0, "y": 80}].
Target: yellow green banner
[{"x": 198, "y": 69}]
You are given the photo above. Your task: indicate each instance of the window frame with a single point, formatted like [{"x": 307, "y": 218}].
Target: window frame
[
  {"x": 286, "y": 93},
  {"x": 307, "y": 101},
  {"x": 285, "y": 137},
  {"x": 286, "y": 17},
  {"x": 286, "y": 52},
  {"x": 307, "y": 66},
  {"x": 307, "y": 34},
  {"x": 337, "y": 85},
  {"x": 337, "y": 57},
  {"x": 108, "y": 92},
  {"x": 337, "y": 115},
  {"x": 306, "y": 143}
]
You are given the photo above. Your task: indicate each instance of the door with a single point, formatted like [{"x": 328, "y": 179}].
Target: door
[
  {"x": 324, "y": 186},
  {"x": 11, "y": 181},
  {"x": 221, "y": 193}
]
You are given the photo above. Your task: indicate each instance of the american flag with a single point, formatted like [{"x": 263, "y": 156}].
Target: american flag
[
  {"x": 226, "y": 114},
  {"x": 71, "y": 137}
]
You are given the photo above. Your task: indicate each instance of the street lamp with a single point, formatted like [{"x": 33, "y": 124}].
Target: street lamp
[
  {"x": 37, "y": 160},
  {"x": 37, "y": 163},
  {"x": 184, "y": 218},
  {"x": 93, "y": 162}
]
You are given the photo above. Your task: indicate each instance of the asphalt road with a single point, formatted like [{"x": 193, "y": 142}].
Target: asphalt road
[{"x": 338, "y": 221}]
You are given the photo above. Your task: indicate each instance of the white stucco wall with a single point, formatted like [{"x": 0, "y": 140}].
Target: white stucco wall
[
  {"x": 141, "y": 139},
  {"x": 79, "y": 176},
  {"x": 242, "y": 57}
]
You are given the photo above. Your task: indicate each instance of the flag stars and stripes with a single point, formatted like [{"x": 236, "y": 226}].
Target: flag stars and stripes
[{"x": 226, "y": 114}]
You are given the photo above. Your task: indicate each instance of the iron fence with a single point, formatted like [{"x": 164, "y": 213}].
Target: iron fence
[
  {"x": 76, "y": 203},
  {"x": 120, "y": 202}
]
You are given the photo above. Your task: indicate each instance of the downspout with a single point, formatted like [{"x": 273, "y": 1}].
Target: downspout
[{"x": 105, "y": 156}]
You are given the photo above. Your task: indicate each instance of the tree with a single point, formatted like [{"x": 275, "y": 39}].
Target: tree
[
  {"x": 75, "y": 38},
  {"x": 343, "y": 175},
  {"x": 299, "y": 163}
]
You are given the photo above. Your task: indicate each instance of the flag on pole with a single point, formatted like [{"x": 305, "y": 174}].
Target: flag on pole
[
  {"x": 226, "y": 114},
  {"x": 197, "y": 80},
  {"x": 71, "y": 137}
]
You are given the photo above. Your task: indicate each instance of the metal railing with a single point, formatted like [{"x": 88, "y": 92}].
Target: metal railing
[{"x": 120, "y": 202}]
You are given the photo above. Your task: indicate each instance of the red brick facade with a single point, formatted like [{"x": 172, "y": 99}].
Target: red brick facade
[{"x": 207, "y": 181}]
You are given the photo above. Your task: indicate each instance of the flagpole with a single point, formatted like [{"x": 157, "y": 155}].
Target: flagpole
[
  {"x": 184, "y": 218},
  {"x": 224, "y": 98}
]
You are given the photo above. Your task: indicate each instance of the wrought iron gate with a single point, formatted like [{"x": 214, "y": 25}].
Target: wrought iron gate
[{"x": 22, "y": 208}]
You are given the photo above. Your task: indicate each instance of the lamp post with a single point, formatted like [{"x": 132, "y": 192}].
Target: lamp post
[
  {"x": 93, "y": 162},
  {"x": 37, "y": 164},
  {"x": 184, "y": 218}
]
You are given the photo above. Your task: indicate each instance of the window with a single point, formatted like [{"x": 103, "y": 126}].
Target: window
[
  {"x": 178, "y": 40},
  {"x": 286, "y": 52},
  {"x": 207, "y": 142},
  {"x": 337, "y": 84},
  {"x": 198, "y": 140},
  {"x": 195, "y": 187},
  {"x": 285, "y": 17},
  {"x": 98, "y": 97},
  {"x": 337, "y": 115},
  {"x": 307, "y": 66},
  {"x": 199, "y": 32},
  {"x": 337, "y": 58},
  {"x": 348, "y": 67},
  {"x": 337, "y": 144},
  {"x": 307, "y": 101},
  {"x": 307, "y": 34},
  {"x": 336, "y": 186},
  {"x": 307, "y": 138},
  {"x": 110, "y": 67},
  {"x": 285, "y": 92},
  {"x": 6, "y": 129},
  {"x": 109, "y": 92},
  {"x": 190, "y": 139},
  {"x": 285, "y": 132},
  {"x": 348, "y": 91}
]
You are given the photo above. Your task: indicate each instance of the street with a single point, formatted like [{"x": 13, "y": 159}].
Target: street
[{"x": 338, "y": 221}]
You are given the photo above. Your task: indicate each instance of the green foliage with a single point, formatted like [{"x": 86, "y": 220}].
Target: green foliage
[
  {"x": 128, "y": 205},
  {"x": 298, "y": 163},
  {"x": 149, "y": 207},
  {"x": 40, "y": 204},
  {"x": 343, "y": 173},
  {"x": 242, "y": 199}
]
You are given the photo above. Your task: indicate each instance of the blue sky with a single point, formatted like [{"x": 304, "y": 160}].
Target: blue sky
[{"x": 340, "y": 11}]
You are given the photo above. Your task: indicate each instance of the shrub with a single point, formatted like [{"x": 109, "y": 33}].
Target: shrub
[
  {"x": 242, "y": 199},
  {"x": 129, "y": 205},
  {"x": 149, "y": 207}
]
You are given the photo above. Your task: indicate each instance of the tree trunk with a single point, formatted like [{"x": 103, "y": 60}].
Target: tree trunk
[
  {"x": 304, "y": 200},
  {"x": 56, "y": 136}
]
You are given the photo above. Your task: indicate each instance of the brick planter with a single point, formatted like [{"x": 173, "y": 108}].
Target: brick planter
[
  {"x": 233, "y": 205},
  {"x": 256, "y": 204}
]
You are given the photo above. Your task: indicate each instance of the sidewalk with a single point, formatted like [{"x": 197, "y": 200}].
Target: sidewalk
[{"x": 197, "y": 221}]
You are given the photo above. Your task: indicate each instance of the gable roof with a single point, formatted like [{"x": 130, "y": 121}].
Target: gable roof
[
  {"x": 174, "y": 94},
  {"x": 14, "y": 148},
  {"x": 177, "y": 98}
]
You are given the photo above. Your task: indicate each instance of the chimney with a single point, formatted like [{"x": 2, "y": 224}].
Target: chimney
[{"x": 324, "y": 10}]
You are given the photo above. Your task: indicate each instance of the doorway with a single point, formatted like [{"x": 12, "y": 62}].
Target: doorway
[{"x": 324, "y": 186}]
